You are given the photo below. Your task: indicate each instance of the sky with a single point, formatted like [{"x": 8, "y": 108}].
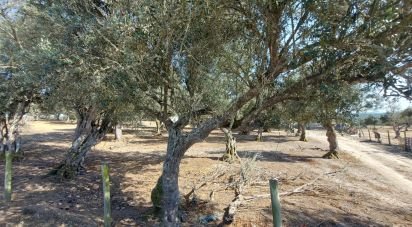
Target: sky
[{"x": 387, "y": 105}]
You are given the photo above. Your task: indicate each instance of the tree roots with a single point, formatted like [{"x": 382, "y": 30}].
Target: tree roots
[
  {"x": 63, "y": 172},
  {"x": 331, "y": 155}
]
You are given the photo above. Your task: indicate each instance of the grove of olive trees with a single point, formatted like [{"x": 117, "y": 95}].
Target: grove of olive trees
[{"x": 212, "y": 64}]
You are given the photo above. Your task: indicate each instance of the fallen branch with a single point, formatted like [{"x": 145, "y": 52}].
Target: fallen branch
[
  {"x": 217, "y": 173},
  {"x": 300, "y": 189},
  {"x": 230, "y": 212}
]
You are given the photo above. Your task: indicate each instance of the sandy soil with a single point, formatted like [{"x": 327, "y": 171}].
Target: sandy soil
[{"x": 371, "y": 185}]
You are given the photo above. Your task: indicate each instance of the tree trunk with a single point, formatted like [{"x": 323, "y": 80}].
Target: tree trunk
[
  {"x": 333, "y": 143},
  {"x": 231, "y": 149},
  {"x": 2, "y": 139},
  {"x": 158, "y": 127},
  {"x": 10, "y": 129},
  {"x": 397, "y": 130},
  {"x": 166, "y": 195},
  {"x": 259, "y": 137},
  {"x": 118, "y": 133},
  {"x": 167, "y": 186},
  {"x": 88, "y": 133},
  {"x": 302, "y": 128}
]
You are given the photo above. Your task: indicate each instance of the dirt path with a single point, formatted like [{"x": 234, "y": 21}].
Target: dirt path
[{"x": 393, "y": 167}]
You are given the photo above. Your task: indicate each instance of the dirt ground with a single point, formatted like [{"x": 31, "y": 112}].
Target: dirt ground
[{"x": 370, "y": 185}]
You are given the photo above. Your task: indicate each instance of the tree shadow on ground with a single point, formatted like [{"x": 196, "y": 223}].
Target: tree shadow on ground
[
  {"x": 47, "y": 201},
  {"x": 267, "y": 156},
  {"x": 275, "y": 156},
  {"x": 321, "y": 218},
  {"x": 149, "y": 140},
  {"x": 393, "y": 149}
]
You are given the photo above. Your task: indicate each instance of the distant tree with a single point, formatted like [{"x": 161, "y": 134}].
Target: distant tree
[
  {"x": 384, "y": 119},
  {"x": 370, "y": 120},
  {"x": 407, "y": 117}
]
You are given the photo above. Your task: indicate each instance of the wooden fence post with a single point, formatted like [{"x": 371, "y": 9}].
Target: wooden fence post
[
  {"x": 7, "y": 176},
  {"x": 389, "y": 138},
  {"x": 106, "y": 193},
  {"x": 274, "y": 196}
]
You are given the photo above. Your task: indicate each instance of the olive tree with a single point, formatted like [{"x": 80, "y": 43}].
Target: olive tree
[
  {"x": 26, "y": 62},
  {"x": 338, "y": 42},
  {"x": 91, "y": 73}
]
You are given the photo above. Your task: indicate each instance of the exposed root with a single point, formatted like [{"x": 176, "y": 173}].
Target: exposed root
[
  {"x": 331, "y": 155},
  {"x": 231, "y": 158},
  {"x": 64, "y": 172}
]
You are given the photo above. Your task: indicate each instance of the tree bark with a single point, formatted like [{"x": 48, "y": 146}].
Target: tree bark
[
  {"x": 118, "y": 133},
  {"x": 2, "y": 139},
  {"x": 90, "y": 130},
  {"x": 167, "y": 187},
  {"x": 302, "y": 128},
  {"x": 10, "y": 129},
  {"x": 333, "y": 143},
  {"x": 259, "y": 137},
  {"x": 397, "y": 128},
  {"x": 231, "y": 149},
  {"x": 299, "y": 128},
  {"x": 158, "y": 127}
]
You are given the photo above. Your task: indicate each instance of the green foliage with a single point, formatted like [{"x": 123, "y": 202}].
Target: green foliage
[
  {"x": 370, "y": 120},
  {"x": 384, "y": 119}
]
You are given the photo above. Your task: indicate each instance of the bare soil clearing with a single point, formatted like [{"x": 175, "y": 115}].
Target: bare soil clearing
[{"x": 371, "y": 185}]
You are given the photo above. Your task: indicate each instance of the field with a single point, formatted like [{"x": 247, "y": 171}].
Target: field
[{"x": 370, "y": 185}]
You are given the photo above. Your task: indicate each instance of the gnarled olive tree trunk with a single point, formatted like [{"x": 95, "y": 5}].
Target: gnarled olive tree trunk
[
  {"x": 158, "y": 127},
  {"x": 231, "y": 152},
  {"x": 118, "y": 132},
  {"x": 90, "y": 130},
  {"x": 10, "y": 124},
  {"x": 259, "y": 137},
  {"x": 165, "y": 195},
  {"x": 176, "y": 148},
  {"x": 166, "y": 191},
  {"x": 333, "y": 143},
  {"x": 397, "y": 129},
  {"x": 302, "y": 128}
]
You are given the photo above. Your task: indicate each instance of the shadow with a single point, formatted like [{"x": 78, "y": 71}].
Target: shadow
[
  {"x": 57, "y": 122},
  {"x": 48, "y": 201},
  {"x": 398, "y": 150},
  {"x": 149, "y": 140},
  {"x": 56, "y": 137},
  {"x": 202, "y": 157},
  {"x": 275, "y": 156},
  {"x": 322, "y": 218}
]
